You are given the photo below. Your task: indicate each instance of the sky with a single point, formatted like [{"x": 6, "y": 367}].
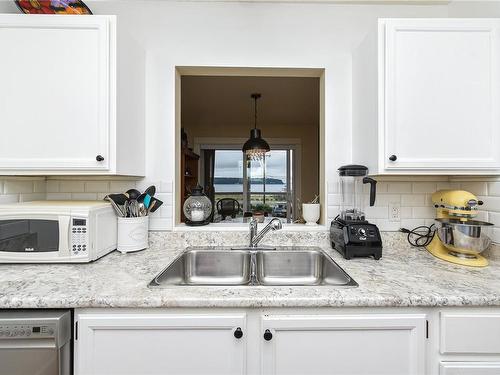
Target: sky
[{"x": 229, "y": 163}]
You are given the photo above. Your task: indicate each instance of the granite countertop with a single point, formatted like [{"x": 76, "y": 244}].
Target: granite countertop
[{"x": 405, "y": 276}]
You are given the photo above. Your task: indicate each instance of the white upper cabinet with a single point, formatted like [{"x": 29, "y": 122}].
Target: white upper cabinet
[
  {"x": 60, "y": 110},
  {"x": 436, "y": 100}
]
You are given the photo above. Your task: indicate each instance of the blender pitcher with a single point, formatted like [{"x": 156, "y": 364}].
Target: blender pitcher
[{"x": 352, "y": 179}]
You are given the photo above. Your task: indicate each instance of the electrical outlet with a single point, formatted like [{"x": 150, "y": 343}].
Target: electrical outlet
[{"x": 394, "y": 211}]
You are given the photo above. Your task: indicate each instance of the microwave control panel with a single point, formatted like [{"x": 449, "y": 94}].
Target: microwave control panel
[{"x": 79, "y": 236}]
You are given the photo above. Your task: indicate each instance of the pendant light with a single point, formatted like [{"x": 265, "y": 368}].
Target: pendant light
[{"x": 256, "y": 147}]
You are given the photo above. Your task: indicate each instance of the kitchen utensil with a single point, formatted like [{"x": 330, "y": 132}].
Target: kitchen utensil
[
  {"x": 350, "y": 233},
  {"x": 119, "y": 198},
  {"x": 119, "y": 210},
  {"x": 143, "y": 211},
  {"x": 147, "y": 200},
  {"x": 151, "y": 191},
  {"x": 459, "y": 238},
  {"x": 133, "y": 193},
  {"x": 155, "y": 204}
]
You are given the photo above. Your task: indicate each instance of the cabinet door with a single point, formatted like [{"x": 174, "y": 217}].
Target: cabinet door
[
  {"x": 154, "y": 344},
  {"x": 54, "y": 92},
  {"x": 344, "y": 344},
  {"x": 469, "y": 368},
  {"x": 440, "y": 103}
]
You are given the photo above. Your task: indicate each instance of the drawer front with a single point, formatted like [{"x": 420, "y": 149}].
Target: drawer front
[
  {"x": 470, "y": 333},
  {"x": 469, "y": 368}
]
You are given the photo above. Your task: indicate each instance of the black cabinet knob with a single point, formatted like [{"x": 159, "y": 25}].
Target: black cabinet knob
[
  {"x": 99, "y": 158},
  {"x": 238, "y": 333},
  {"x": 393, "y": 158},
  {"x": 268, "y": 335}
]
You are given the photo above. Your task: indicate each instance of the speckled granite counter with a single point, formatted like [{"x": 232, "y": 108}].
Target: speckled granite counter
[{"x": 405, "y": 276}]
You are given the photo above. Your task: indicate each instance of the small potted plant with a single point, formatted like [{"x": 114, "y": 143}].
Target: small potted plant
[{"x": 311, "y": 211}]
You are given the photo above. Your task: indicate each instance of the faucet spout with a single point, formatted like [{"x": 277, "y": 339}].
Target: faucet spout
[{"x": 256, "y": 237}]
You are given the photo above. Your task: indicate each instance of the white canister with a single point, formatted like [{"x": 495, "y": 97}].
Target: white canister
[
  {"x": 132, "y": 233},
  {"x": 311, "y": 213}
]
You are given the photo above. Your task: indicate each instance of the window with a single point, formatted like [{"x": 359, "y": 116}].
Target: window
[{"x": 258, "y": 186}]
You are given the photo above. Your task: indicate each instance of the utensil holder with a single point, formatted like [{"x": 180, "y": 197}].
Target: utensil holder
[{"x": 132, "y": 234}]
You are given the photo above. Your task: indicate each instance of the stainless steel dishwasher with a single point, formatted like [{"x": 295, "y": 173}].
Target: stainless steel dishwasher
[{"x": 35, "y": 342}]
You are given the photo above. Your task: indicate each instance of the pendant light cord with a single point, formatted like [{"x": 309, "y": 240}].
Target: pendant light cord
[
  {"x": 255, "y": 114},
  {"x": 255, "y": 97}
]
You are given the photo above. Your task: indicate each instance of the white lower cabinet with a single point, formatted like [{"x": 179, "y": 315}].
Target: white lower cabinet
[
  {"x": 287, "y": 341},
  {"x": 154, "y": 344},
  {"x": 469, "y": 368},
  {"x": 343, "y": 344}
]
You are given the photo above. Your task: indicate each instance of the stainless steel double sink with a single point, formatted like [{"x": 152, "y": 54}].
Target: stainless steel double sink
[{"x": 281, "y": 266}]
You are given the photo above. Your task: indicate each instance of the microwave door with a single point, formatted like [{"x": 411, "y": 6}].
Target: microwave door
[{"x": 29, "y": 235}]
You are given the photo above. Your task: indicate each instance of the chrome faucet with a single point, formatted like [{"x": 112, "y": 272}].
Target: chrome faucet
[{"x": 256, "y": 237}]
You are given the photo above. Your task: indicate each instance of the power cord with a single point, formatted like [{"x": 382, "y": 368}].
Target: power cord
[{"x": 420, "y": 236}]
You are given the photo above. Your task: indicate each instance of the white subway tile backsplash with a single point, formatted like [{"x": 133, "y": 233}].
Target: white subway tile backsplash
[
  {"x": 447, "y": 185},
  {"x": 332, "y": 187},
  {"x": 96, "y": 186},
  {"x": 39, "y": 186},
  {"x": 9, "y": 198},
  {"x": 496, "y": 235},
  {"x": 399, "y": 187},
  {"x": 144, "y": 184},
  {"x": 52, "y": 186},
  {"x": 157, "y": 223},
  {"x": 475, "y": 187},
  {"x": 411, "y": 200},
  {"x": 166, "y": 198},
  {"x": 17, "y": 186},
  {"x": 493, "y": 217},
  {"x": 381, "y": 187},
  {"x": 384, "y": 199},
  {"x": 120, "y": 186},
  {"x": 31, "y": 197},
  {"x": 377, "y": 212},
  {"x": 483, "y": 216},
  {"x": 490, "y": 203},
  {"x": 412, "y": 223},
  {"x": 101, "y": 196},
  {"x": 58, "y": 196},
  {"x": 84, "y": 196},
  {"x": 406, "y": 213},
  {"x": 166, "y": 187},
  {"x": 424, "y": 187},
  {"x": 69, "y": 186},
  {"x": 494, "y": 189},
  {"x": 423, "y": 212}
]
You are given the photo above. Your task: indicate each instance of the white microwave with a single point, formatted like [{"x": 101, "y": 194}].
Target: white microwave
[{"x": 56, "y": 231}]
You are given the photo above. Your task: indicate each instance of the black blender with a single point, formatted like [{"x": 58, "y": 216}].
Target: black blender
[{"x": 350, "y": 233}]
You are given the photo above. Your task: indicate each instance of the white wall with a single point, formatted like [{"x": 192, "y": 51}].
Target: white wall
[
  {"x": 316, "y": 35},
  {"x": 249, "y": 35}
]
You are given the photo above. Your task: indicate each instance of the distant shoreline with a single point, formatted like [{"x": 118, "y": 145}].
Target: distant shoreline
[{"x": 253, "y": 181}]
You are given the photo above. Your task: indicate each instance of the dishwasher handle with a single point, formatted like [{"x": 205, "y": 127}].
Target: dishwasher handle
[{"x": 26, "y": 343}]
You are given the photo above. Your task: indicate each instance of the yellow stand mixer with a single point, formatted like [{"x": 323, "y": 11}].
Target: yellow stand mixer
[{"x": 458, "y": 238}]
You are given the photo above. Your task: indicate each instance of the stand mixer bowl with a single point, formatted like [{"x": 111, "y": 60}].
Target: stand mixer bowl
[{"x": 464, "y": 237}]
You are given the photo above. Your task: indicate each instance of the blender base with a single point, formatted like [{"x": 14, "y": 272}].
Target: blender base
[{"x": 356, "y": 239}]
